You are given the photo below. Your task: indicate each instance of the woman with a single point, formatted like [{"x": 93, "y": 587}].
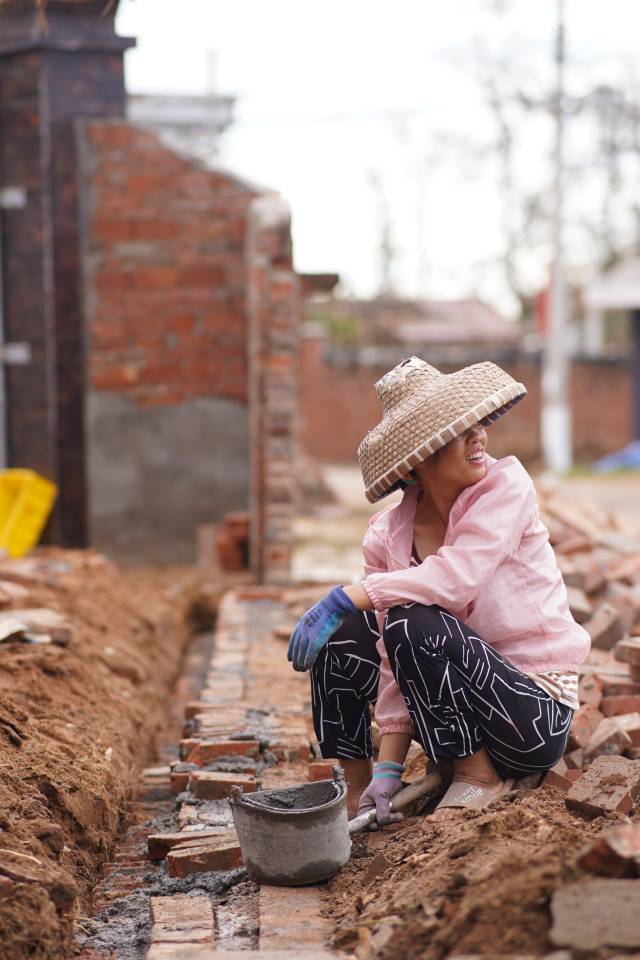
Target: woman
[{"x": 460, "y": 631}]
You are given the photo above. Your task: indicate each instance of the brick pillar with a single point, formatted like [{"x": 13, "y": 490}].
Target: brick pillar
[
  {"x": 273, "y": 303},
  {"x": 51, "y": 74}
]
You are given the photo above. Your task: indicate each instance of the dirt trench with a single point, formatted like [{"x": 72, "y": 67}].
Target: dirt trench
[{"x": 77, "y": 723}]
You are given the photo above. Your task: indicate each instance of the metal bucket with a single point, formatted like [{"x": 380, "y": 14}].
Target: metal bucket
[{"x": 293, "y": 836}]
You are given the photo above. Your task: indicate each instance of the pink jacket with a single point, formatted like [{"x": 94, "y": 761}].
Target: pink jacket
[{"x": 495, "y": 570}]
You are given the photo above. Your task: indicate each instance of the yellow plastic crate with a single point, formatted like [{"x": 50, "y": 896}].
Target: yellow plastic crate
[{"x": 26, "y": 500}]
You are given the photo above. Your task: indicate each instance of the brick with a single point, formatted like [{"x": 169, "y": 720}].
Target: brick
[
  {"x": 596, "y": 914},
  {"x": 159, "y": 844},
  {"x": 579, "y": 604},
  {"x": 574, "y": 759},
  {"x": 556, "y": 777},
  {"x": 620, "y": 688},
  {"x": 630, "y": 723},
  {"x": 610, "y": 785},
  {"x": 608, "y": 739},
  {"x": 614, "y": 706},
  {"x": 628, "y": 651},
  {"x": 585, "y": 721},
  {"x": 627, "y": 569},
  {"x": 216, "y": 853},
  {"x": 290, "y": 918},
  {"x": 590, "y": 689},
  {"x": 614, "y": 853},
  {"x": 626, "y": 601},
  {"x": 217, "y": 786},
  {"x": 179, "y": 781},
  {"x": 605, "y": 627},
  {"x": 322, "y": 769},
  {"x": 181, "y": 920},
  {"x": 206, "y": 751}
]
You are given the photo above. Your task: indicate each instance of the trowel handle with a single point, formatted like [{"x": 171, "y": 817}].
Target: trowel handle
[{"x": 428, "y": 784}]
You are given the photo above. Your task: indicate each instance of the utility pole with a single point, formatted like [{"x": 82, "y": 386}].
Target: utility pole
[{"x": 555, "y": 424}]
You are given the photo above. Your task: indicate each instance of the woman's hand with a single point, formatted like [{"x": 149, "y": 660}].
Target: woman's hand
[
  {"x": 316, "y": 626},
  {"x": 386, "y": 781}
]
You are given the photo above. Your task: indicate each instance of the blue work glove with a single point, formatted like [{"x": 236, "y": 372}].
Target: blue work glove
[
  {"x": 386, "y": 780},
  {"x": 316, "y": 626}
]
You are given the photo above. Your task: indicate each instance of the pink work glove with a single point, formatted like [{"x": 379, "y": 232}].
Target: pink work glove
[{"x": 385, "y": 782}]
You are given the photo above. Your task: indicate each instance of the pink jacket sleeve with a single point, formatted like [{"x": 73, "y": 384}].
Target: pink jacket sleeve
[
  {"x": 392, "y": 715},
  {"x": 487, "y": 533}
]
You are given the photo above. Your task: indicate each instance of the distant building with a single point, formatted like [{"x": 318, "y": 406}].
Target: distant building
[{"x": 385, "y": 328}]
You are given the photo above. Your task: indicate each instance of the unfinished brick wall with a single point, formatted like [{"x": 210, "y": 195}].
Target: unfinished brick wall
[
  {"x": 273, "y": 298},
  {"x": 601, "y": 395},
  {"x": 170, "y": 337}
]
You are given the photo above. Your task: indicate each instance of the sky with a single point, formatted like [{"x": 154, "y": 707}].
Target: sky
[{"x": 362, "y": 113}]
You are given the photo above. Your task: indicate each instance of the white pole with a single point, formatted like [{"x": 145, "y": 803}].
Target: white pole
[{"x": 555, "y": 425}]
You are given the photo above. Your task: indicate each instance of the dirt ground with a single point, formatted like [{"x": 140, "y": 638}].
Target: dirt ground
[
  {"x": 76, "y": 723},
  {"x": 479, "y": 884}
]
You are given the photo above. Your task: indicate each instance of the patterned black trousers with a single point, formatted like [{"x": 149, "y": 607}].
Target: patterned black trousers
[{"x": 460, "y": 692}]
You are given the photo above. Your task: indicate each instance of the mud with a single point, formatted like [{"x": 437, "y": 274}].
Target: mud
[
  {"x": 307, "y": 795},
  {"x": 478, "y": 884},
  {"x": 76, "y": 724}
]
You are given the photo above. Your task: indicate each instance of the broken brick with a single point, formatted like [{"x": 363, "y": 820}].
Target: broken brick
[
  {"x": 615, "y": 706},
  {"x": 630, "y": 723},
  {"x": 628, "y": 651},
  {"x": 322, "y": 769},
  {"x": 598, "y": 913},
  {"x": 610, "y": 785},
  {"x": 574, "y": 759},
  {"x": 579, "y": 604},
  {"x": 206, "y": 751},
  {"x": 159, "y": 844},
  {"x": 627, "y": 568},
  {"x": 585, "y": 721},
  {"x": 605, "y": 627},
  {"x": 556, "y": 777},
  {"x": 614, "y": 853},
  {"x": 216, "y": 853},
  {"x": 590, "y": 689},
  {"x": 217, "y": 786},
  {"x": 620, "y": 687},
  {"x": 609, "y": 738},
  {"x": 626, "y": 600}
]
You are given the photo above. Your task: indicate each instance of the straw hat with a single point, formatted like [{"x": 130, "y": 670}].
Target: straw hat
[{"x": 423, "y": 410}]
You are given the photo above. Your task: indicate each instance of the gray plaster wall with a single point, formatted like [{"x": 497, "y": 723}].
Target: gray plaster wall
[{"x": 156, "y": 473}]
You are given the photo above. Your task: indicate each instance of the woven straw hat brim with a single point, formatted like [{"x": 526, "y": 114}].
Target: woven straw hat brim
[{"x": 479, "y": 394}]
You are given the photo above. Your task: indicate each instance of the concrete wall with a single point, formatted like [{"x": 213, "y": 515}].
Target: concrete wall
[{"x": 156, "y": 473}]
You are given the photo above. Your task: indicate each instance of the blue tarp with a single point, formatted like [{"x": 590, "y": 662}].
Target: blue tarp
[{"x": 626, "y": 459}]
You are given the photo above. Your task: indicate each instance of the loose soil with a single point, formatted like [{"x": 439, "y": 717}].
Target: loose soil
[
  {"x": 76, "y": 724},
  {"x": 477, "y": 884}
]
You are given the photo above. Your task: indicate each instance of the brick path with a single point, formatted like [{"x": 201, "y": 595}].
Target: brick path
[{"x": 172, "y": 890}]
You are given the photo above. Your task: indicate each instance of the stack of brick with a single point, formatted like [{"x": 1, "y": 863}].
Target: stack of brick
[{"x": 599, "y": 556}]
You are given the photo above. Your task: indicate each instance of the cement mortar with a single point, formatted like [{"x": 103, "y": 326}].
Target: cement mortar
[
  {"x": 305, "y": 796},
  {"x": 124, "y": 926}
]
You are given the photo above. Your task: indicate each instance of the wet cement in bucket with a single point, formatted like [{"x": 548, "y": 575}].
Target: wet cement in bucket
[{"x": 306, "y": 796}]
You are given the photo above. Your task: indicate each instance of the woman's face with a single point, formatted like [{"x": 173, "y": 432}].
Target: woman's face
[{"x": 462, "y": 461}]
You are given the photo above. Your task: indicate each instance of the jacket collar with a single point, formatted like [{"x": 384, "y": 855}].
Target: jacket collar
[{"x": 401, "y": 519}]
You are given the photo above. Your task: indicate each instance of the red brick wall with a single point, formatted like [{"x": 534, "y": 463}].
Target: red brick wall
[
  {"x": 338, "y": 405},
  {"x": 166, "y": 271},
  {"x": 273, "y": 300},
  {"x": 191, "y": 304}
]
